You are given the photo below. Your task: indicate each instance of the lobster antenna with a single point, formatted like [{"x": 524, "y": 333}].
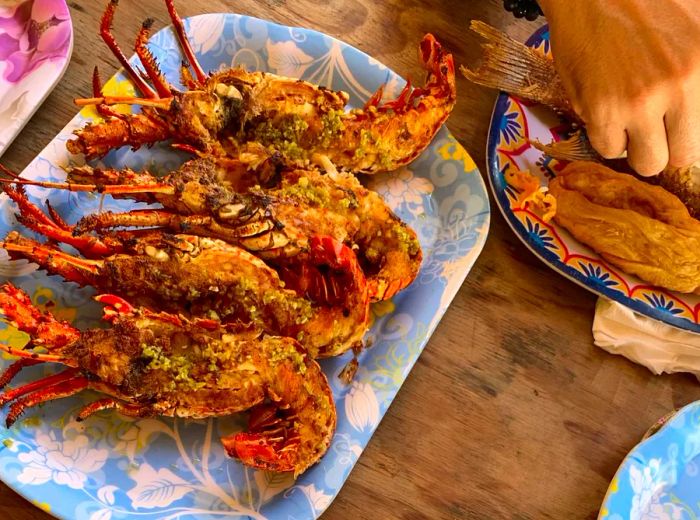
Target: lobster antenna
[{"x": 184, "y": 42}]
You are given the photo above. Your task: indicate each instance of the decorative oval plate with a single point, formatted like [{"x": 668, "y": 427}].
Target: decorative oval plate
[
  {"x": 660, "y": 478},
  {"x": 36, "y": 42},
  {"x": 116, "y": 467},
  {"x": 513, "y": 124}
]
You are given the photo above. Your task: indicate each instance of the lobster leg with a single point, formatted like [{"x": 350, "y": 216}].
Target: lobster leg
[
  {"x": 117, "y": 189},
  {"x": 106, "y": 33},
  {"x": 149, "y": 62},
  {"x": 14, "y": 393},
  {"x": 375, "y": 99},
  {"x": 109, "y": 403},
  {"x": 88, "y": 245},
  {"x": 19, "y": 197},
  {"x": 15, "y": 368},
  {"x": 48, "y": 393},
  {"x": 33, "y": 356},
  {"x": 183, "y": 147},
  {"x": 102, "y": 176},
  {"x": 401, "y": 101},
  {"x": 259, "y": 235},
  {"x": 140, "y": 218},
  {"x": 125, "y": 100},
  {"x": 57, "y": 218},
  {"x": 184, "y": 42},
  {"x": 52, "y": 259},
  {"x": 114, "y": 306},
  {"x": 33, "y": 218},
  {"x": 17, "y": 307},
  {"x": 186, "y": 77}
]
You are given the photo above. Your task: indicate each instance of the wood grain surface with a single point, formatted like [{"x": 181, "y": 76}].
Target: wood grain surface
[{"x": 511, "y": 411}]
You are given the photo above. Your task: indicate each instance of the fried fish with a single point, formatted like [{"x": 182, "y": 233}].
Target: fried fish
[{"x": 640, "y": 228}]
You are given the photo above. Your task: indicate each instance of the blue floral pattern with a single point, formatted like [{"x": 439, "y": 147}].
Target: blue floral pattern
[
  {"x": 510, "y": 127},
  {"x": 659, "y": 478},
  {"x": 113, "y": 467},
  {"x": 539, "y": 235},
  {"x": 662, "y": 303},
  {"x": 596, "y": 275}
]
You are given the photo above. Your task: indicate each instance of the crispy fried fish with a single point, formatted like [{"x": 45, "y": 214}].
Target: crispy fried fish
[{"x": 640, "y": 228}]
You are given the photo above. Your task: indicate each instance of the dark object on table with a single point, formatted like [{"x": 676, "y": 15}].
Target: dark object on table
[{"x": 528, "y": 9}]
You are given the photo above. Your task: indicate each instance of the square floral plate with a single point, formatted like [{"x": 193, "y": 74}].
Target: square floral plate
[
  {"x": 36, "y": 42},
  {"x": 113, "y": 467},
  {"x": 513, "y": 124},
  {"x": 660, "y": 478}
]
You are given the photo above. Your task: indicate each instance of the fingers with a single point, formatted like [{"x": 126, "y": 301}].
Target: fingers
[
  {"x": 683, "y": 136},
  {"x": 647, "y": 148},
  {"x": 608, "y": 138},
  {"x": 641, "y": 131}
]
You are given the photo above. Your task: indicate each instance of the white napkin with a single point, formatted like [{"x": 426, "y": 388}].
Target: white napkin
[{"x": 651, "y": 343}]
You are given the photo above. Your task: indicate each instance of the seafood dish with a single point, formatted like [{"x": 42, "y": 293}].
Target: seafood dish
[
  {"x": 164, "y": 364},
  {"x": 221, "y": 111},
  {"x": 646, "y": 227},
  {"x": 643, "y": 229},
  {"x": 257, "y": 256}
]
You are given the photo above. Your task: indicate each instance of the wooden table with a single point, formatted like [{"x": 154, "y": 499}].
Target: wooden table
[{"x": 510, "y": 412}]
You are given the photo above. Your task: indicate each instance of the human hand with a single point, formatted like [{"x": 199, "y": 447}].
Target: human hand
[{"x": 631, "y": 69}]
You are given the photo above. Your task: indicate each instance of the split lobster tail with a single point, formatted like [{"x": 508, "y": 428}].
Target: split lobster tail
[
  {"x": 294, "y": 433},
  {"x": 386, "y": 135},
  {"x": 330, "y": 276}
]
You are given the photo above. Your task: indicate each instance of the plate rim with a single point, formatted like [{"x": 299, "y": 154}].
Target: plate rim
[
  {"x": 667, "y": 430},
  {"x": 481, "y": 219},
  {"x": 556, "y": 265}
]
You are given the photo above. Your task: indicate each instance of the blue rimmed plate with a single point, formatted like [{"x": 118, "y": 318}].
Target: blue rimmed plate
[
  {"x": 660, "y": 478},
  {"x": 116, "y": 467},
  {"x": 513, "y": 124}
]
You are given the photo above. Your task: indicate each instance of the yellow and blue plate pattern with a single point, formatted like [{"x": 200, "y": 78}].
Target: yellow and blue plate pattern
[{"x": 514, "y": 124}]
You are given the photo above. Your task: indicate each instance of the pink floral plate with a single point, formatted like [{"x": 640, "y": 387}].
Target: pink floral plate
[{"x": 36, "y": 42}]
